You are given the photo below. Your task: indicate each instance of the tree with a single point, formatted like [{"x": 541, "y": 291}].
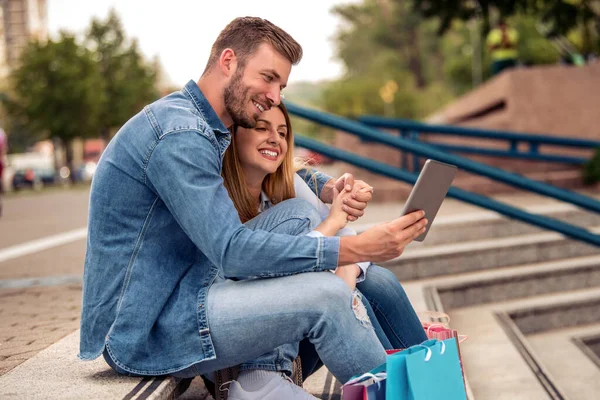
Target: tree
[
  {"x": 559, "y": 16},
  {"x": 129, "y": 81},
  {"x": 58, "y": 91},
  {"x": 384, "y": 41},
  {"x": 379, "y": 25}
]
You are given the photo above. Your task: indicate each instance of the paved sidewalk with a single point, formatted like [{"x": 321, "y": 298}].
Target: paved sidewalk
[{"x": 35, "y": 318}]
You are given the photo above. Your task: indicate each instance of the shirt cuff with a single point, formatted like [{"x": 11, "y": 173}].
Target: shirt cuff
[
  {"x": 312, "y": 177},
  {"x": 314, "y": 234},
  {"x": 363, "y": 271}
]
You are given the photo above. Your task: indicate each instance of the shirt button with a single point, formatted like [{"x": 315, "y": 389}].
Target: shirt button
[{"x": 200, "y": 305}]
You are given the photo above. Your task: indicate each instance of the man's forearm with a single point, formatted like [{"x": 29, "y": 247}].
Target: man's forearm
[{"x": 350, "y": 251}]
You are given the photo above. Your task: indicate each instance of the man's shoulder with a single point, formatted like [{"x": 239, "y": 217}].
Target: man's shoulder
[{"x": 175, "y": 112}]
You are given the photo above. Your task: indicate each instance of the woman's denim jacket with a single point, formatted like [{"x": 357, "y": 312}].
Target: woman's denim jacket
[{"x": 161, "y": 227}]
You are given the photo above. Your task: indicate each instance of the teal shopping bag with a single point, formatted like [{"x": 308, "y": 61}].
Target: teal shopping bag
[{"x": 428, "y": 371}]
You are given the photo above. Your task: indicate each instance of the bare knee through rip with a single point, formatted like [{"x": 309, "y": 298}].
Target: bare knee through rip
[{"x": 330, "y": 294}]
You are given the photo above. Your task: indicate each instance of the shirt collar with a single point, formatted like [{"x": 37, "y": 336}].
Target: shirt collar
[
  {"x": 202, "y": 104},
  {"x": 265, "y": 202}
]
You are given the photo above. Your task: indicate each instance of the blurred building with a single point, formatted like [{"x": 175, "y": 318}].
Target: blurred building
[{"x": 20, "y": 21}]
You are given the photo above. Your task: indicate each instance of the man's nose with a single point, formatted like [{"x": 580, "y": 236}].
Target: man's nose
[{"x": 274, "y": 96}]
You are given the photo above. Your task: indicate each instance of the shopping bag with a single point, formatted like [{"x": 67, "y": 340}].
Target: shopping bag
[
  {"x": 427, "y": 371},
  {"x": 441, "y": 332},
  {"x": 369, "y": 386}
]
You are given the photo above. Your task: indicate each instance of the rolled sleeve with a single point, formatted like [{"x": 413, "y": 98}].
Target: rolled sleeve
[{"x": 314, "y": 179}]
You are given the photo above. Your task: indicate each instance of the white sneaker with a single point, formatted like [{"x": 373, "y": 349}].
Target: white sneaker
[{"x": 279, "y": 388}]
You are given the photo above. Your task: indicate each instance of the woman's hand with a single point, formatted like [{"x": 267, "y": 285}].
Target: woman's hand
[
  {"x": 338, "y": 217},
  {"x": 361, "y": 194}
]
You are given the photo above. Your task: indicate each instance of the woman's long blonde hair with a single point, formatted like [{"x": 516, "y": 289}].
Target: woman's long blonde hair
[{"x": 278, "y": 186}]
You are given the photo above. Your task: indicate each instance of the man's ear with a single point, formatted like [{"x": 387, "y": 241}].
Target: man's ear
[{"x": 228, "y": 62}]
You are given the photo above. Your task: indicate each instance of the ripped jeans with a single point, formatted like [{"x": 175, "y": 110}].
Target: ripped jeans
[
  {"x": 266, "y": 323},
  {"x": 385, "y": 306},
  {"x": 264, "y": 320}
]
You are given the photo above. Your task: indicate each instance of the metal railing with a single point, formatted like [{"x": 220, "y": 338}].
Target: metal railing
[
  {"x": 429, "y": 151},
  {"x": 410, "y": 129}
]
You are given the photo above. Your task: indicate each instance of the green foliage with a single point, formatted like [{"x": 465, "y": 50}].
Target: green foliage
[
  {"x": 383, "y": 41},
  {"x": 591, "y": 170},
  {"x": 557, "y": 16},
  {"x": 533, "y": 47},
  {"x": 129, "y": 82},
  {"x": 399, "y": 40},
  {"x": 58, "y": 90}
]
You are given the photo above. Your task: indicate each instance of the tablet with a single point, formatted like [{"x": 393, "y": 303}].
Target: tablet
[{"x": 429, "y": 191}]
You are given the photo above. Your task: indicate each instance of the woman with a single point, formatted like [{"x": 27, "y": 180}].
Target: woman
[{"x": 258, "y": 172}]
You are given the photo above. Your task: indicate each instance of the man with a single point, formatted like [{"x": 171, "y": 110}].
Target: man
[
  {"x": 171, "y": 281},
  {"x": 502, "y": 45}
]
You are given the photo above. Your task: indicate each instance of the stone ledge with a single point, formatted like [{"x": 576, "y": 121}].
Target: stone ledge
[{"x": 57, "y": 374}]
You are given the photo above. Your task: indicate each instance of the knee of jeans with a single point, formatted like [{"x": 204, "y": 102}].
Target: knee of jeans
[
  {"x": 380, "y": 276},
  {"x": 300, "y": 208},
  {"x": 332, "y": 294},
  {"x": 327, "y": 291}
]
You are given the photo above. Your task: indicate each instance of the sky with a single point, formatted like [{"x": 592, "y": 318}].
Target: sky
[{"x": 181, "y": 32}]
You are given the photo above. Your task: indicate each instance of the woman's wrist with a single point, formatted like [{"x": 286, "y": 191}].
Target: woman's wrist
[{"x": 329, "y": 226}]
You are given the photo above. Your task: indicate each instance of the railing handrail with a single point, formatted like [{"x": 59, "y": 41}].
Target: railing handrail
[
  {"x": 429, "y": 151},
  {"x": 410, "y": 125},
  {"x": 541, "y": 221}
]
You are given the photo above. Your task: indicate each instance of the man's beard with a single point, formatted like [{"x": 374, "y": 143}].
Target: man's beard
[{"x": 235, "y": 97}]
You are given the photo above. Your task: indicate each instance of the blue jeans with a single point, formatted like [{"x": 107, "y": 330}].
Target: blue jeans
[
  {"x": 265, "y": 320},
  {"x": 250, "y": 318},
  {"x": 393, "y": 318},
  {"x": 390, "y": 312}
]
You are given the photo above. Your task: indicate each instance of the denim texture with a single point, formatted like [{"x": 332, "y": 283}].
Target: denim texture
[
  {"x": 162, "y": 229},
  {"x": 258, "y": 324}
]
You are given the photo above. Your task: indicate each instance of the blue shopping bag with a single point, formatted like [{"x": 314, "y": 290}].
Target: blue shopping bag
[{"x": 428, "y": 371}]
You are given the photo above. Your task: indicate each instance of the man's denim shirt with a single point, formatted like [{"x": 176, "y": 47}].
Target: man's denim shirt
[{"x": 161, "y": 227}]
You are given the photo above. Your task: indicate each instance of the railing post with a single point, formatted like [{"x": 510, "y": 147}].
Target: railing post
[
  {"x": 404, "y": 154},
  {"x": 416, "y": 167}
]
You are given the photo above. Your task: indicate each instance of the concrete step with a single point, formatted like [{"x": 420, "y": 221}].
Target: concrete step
[
  {"x": 57, "y": 374},
  {"x": 418, "y": 262},
  {"x": 479, "y": 225},
  {"x": 564, "y": 313},
  {"x": 520, "y": 282},
  {"x": 499, "y": 362},
  {"x": 571, "y": 369}
]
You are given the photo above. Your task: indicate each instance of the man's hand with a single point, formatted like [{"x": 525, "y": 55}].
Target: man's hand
[
  {"x": 382, "y": 242},
  {"x": 360, "y": 194}
]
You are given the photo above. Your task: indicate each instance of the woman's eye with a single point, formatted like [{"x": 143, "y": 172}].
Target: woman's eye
[
  {"x": 260, "y": 129},
  {"x": 268, "y": 78},
  {"x": 282, "y": 134}
]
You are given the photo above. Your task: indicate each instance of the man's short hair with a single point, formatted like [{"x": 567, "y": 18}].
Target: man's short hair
[{"x": 245, "y": 34}]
